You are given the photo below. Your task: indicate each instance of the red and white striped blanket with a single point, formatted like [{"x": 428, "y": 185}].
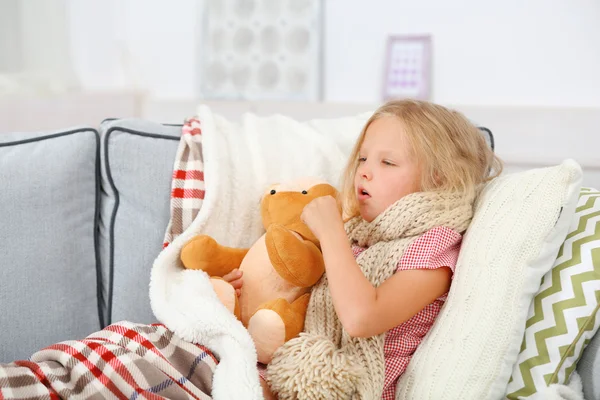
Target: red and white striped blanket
[
  {"x": 187, "y": 188},
  {"x": 122, "y": 361}
]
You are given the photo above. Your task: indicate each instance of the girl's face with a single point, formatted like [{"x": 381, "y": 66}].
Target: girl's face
[{"x": 386, "y": 169}]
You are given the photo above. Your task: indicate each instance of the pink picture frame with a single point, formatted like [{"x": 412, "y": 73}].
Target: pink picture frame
[{"x": 407, "y": 69}]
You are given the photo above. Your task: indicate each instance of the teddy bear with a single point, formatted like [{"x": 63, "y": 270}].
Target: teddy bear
[{"x": 279, "y": 269}]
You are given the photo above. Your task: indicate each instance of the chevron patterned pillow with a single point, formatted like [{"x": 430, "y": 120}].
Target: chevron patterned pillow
[{"x": 564, "y": 315}]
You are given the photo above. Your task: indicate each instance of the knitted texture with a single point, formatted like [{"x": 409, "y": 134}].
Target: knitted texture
[
  {"x": 520, "y": 222},
  {"x": 324, "y": 361}
]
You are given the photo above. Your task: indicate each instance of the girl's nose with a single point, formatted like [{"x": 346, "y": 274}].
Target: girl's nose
[{"x": 365, "y": 173}]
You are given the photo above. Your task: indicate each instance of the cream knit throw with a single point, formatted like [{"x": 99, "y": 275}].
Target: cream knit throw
[{"x": 324, "y": 362}]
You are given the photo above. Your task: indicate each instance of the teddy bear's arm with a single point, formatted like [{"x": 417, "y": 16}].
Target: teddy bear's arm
[
  {"x": 296, "y": 260},
  {"x": 204, "y": 253}
]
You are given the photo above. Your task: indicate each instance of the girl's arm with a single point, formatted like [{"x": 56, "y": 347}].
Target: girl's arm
[{"x": 364, "y": 310}]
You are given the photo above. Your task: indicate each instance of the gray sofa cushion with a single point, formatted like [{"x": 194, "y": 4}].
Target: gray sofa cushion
[
  {"x": 138, "y": 159},
  {"x": 589, "y": 369},
  {"x": 489, "y": 137},
  {"x": 48, "y": 259}
]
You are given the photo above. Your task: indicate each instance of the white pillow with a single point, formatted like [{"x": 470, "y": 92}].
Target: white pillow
[{"x": 520, "y": 222}]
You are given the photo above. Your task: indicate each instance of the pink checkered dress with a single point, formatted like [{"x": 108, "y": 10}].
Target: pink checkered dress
[{"x": 438, "y": 247}]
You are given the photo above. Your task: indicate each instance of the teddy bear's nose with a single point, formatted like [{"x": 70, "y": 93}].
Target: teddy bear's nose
[
  {"x": 273, "y": 191},
  {"x": 304, "y": 192}
]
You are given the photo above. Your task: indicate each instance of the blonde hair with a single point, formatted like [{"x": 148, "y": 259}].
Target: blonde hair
[{"x": 451, "y": 152}]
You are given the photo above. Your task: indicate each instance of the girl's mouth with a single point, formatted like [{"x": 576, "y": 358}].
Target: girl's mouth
[{"x": 363, "y": 194}]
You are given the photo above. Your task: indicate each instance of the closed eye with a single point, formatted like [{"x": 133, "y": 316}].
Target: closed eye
[
  {"x": 386, "y": 162},
  {"x": 362, "y": 159}
]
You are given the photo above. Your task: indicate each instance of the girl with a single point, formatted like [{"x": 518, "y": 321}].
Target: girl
[{"x": 407, "y": 195}]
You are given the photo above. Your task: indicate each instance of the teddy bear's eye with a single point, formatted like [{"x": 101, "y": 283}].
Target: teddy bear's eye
[
  {"x": 273, "y": 191},
  {"x": 304, "y": 192}
]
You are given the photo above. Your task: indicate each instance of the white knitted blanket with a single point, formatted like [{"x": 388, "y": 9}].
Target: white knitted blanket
[{"x": 240, "y": 161}]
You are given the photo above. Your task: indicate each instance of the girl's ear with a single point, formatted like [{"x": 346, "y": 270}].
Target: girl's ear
[
  {"x": 430, "y": 176},
  {"x": 438, "y": 178}
]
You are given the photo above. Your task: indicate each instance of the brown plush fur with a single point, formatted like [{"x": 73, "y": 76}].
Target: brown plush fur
[{"x": 278, "y": 270}]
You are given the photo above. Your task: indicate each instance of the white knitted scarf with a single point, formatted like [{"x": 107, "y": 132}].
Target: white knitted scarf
[{"x": 324, "y": 362}]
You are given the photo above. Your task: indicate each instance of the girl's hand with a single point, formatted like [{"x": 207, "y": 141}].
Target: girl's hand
[
  {"x": 322, "y": 215},
  {"x": 234, "y": 278}
]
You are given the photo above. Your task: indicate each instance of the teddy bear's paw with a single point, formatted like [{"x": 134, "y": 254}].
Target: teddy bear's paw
[
  {"x": 297, "y": 261},
  {"x": 267, "y": 329},
  {"x": 204, "y": 253},
  {"x": 199, "y": 253},
  {"x": 226, "y": 294}
]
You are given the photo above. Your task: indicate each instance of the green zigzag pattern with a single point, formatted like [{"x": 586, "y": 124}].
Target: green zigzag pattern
[
  {"x": 593, "y": 195},
  {"x": 558, "y": 308}
]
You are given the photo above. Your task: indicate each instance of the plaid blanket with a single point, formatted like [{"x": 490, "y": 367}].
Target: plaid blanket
[
  {"x": 122, "y": 361},
  {"x": 187, "y": 190}
]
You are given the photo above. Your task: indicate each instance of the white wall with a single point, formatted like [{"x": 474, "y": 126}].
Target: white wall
[
  {"x": 135, "y": 44},
  {"x": 511, "y": 52},
  {"x": 10, "y": 50},
  {"x": 34, "y": 46},
  {"x": 539, "y": 52},
  {"x": 97, "y": 42}
]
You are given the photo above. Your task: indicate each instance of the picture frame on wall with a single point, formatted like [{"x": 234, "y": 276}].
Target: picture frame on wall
[
  {"x": 407, "y": 68},
  {"x": 262, "y": 50}
]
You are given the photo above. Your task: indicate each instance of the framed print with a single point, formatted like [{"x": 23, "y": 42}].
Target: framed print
[
  {"x": 407, "y": 70},
  {"x": 262, "y": 50}
]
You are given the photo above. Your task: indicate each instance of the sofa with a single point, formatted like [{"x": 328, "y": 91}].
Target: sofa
[{"x": 84, "y": 212}]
